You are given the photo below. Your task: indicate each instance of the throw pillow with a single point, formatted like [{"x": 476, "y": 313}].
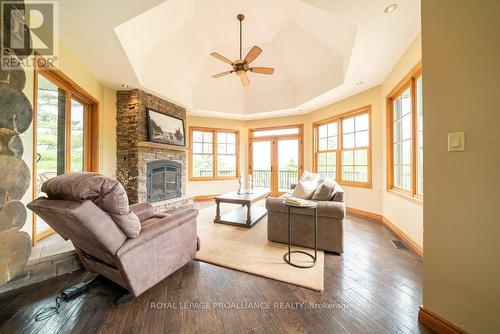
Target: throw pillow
[
  {"x": 325, "y": 190},
  {"x": 305, "y": 189},
  {"x": 308, "y": 176}
]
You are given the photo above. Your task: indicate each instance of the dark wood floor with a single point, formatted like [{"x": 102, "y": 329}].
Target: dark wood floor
[{"x": 372, "y": 288}]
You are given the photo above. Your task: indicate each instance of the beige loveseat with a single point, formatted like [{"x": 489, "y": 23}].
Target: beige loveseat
[{"x": 330, "y": 223}]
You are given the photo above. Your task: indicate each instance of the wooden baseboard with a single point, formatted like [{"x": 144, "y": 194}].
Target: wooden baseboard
[
  {"x": 437, "y": 323},
  {"x": 380, "y": 218},
  {"x": 365, "y": 214},
  {"x": 413, "y": 246},
  {"x": 202, "y": 198}
]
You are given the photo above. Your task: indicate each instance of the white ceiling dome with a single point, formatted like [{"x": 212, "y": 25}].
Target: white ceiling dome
[
  {"x": 319, "y": 49},
  {"x": 308, "y": 47}
]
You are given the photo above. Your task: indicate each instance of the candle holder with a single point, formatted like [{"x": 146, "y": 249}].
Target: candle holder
[
  {"x": 249, "y": 189},
  {"x": 241, "y": 189}
]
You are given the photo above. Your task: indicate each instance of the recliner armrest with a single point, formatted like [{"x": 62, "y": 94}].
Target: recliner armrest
[
  {"x": 143, "y": 210},
  {"x": 161, "y": 226}
]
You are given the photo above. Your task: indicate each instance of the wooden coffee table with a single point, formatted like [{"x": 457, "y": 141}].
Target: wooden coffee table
[{"x": 239, "y": 216}]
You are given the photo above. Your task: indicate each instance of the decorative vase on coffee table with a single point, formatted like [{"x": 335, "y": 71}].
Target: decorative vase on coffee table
[
  {"x": 241, "y": 189},
  {"x": 249, "y": 189}
]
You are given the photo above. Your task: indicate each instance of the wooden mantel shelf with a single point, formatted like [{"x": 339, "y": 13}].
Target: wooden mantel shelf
[{"x": 160, "y": 146}]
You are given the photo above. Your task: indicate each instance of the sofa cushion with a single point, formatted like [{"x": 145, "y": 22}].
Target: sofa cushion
[
  {"x": 305, "y": 189},
  {"x": 325, "y": 190},
  {"x": 107, "y": 193},
  {"x": 329, "y": 209}
]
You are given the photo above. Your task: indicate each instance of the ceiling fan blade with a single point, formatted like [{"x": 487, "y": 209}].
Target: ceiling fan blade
[
  {"x": 218, "y": 75},
  {"x": 252, "y": 54},
  {"x": 244, "y": 79},
  {"x": 262, "y": 70},
  {"x": 221, "y": 57}
]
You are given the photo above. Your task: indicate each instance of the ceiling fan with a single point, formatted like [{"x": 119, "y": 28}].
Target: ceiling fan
[{"x": 241, "y": 66}]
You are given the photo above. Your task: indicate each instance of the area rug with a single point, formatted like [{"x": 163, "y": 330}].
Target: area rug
[{"x": 248, "y": 250}]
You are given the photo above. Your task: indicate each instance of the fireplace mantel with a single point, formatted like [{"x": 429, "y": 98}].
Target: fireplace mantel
[{"x": 160, "y": 146}]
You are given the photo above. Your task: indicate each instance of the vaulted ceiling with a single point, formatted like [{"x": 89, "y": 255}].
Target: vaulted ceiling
[{"x": 321, "y": 49}]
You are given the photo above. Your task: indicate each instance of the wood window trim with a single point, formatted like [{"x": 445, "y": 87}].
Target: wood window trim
[
  {"x": 408, "y": 81},
  {"x": 338, "y": 118},
  {"x": 91, "y": 134},
  {"x": 77, "y": 93},
  {"x": 214, "y": 154}
]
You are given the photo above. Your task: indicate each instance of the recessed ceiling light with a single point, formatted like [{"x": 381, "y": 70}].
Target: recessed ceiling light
[
  {"x": 390, "y": 8},
  {"x": 359, "y": 83},
  {"x": 124, "y": 86}
]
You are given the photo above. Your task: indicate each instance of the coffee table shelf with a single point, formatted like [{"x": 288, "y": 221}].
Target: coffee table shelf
[{"x": 241, "y": 216}]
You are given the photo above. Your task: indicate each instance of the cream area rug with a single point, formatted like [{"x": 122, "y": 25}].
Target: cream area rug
[{"x": 248, "y": 250}]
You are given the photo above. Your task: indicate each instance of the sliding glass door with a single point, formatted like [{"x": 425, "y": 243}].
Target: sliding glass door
[{"x": 60, "y": 137}]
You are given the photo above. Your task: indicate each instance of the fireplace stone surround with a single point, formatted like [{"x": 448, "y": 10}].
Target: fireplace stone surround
[{"x": 134, "y": 151}]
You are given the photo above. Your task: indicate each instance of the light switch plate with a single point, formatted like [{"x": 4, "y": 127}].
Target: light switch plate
[{"x": 456, "y": 142}]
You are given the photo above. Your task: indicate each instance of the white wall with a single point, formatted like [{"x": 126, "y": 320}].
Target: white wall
[{"x": 461, "y": 58}]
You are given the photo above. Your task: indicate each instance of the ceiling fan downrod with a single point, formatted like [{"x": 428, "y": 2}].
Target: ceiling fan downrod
[{"x": 240, "y": 18}]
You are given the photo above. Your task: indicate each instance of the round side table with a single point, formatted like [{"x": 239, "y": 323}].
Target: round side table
[{"x": 287, "y": 257}]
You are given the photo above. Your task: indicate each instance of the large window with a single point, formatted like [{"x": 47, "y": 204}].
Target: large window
[
  {"x": 342, "y": 148},
  {"x": 405, "y": 135},
  {"x": 65, "y": 137},
  {"x": 213, "y": 154}
]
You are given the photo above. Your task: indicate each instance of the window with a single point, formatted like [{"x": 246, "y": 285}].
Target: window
[
  {"x": 213, "y": 154},
  {"x": 405, "y": 135},
  {"x": 226, "y": 154},
  {"x": 276, "y": 132},
  {"x": 65, "y": 132},
  {"x": 350, "y": 150},
  {"x": 420, "y": 137},
  {"x": 327, "y": 149}
]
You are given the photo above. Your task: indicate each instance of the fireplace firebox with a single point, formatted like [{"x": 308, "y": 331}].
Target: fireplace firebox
[{"x": 163, "y": 180}]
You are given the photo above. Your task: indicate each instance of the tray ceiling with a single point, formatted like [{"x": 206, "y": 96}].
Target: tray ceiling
[{"x": 320, "y": 49}]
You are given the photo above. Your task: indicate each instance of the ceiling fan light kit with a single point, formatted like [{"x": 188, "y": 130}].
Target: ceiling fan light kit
[{"x": 241, "y": 66}]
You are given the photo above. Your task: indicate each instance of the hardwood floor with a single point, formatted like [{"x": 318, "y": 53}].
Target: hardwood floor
[{"x": 372, "y": 288}]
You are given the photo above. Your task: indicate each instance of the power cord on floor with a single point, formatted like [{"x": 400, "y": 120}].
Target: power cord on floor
[
  {"x": 48, "y": 312},
  {"x": 65, "y": 296}
]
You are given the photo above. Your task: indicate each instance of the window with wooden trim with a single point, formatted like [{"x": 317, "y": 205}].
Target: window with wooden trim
[
  {"x": 342, "y": 148},
  {"x": 327, "y": 149},
  {"x": 405, "y": 135},
  {"x": 65, "y": 133},
  {"x": 214, "y": 154}
]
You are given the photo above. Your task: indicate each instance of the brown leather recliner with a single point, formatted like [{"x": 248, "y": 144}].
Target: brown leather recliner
[{"x": 130, "y": 245}]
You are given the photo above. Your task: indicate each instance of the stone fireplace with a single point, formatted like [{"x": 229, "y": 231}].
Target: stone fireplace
[{"x": 150, "y": 172}]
